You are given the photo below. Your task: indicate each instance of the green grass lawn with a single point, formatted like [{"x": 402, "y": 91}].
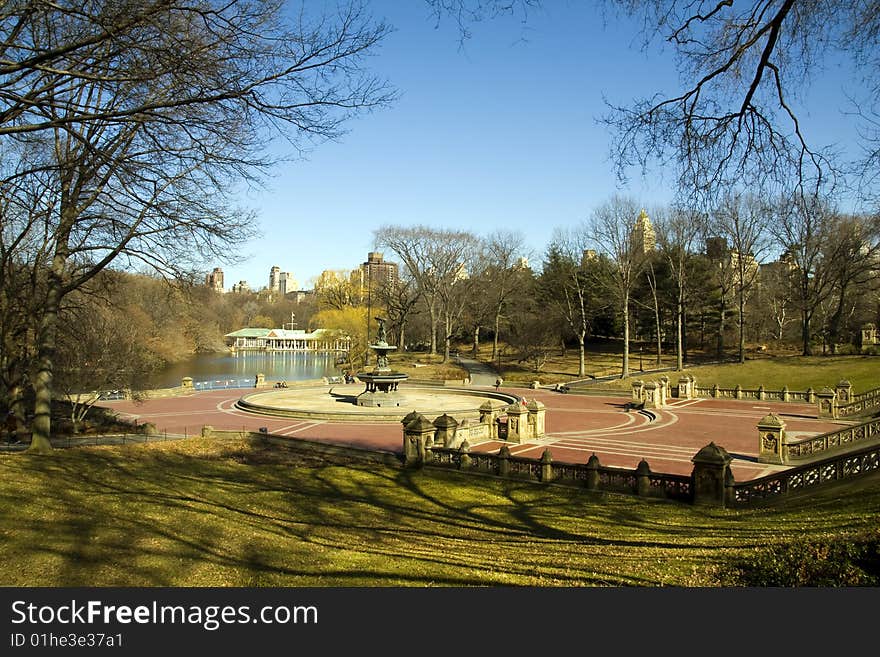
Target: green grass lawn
[
  {"x": 797, "y": 372},
  {"x": 231, "y": 513}
]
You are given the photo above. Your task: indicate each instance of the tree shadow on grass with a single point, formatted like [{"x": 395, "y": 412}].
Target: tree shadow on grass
[{"x": 247, "y": 514}]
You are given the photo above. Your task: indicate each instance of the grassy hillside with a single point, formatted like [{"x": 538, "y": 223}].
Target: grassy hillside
[
  {"x": 201, "y": 513},
  {"x": 796, "y": 372}
]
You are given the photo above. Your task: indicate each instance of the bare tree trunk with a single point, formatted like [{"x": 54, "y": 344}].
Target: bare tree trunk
[
  {"x": 495, "y": 338},
  {"x": 582, "y": 356},
  {"x": 742, "y": 326},
  {"x": 679, "y": 341},
  {"x": 41, "y": 428},
  {"x": 625, "y": 369},
  {"x": 476, "y": 346}
]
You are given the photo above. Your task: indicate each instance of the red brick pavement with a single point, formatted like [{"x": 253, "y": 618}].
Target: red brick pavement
[{"x": 577, "y": 426}]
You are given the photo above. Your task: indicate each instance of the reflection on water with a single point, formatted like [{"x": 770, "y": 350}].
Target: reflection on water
[{"x": 283, "y": 366}]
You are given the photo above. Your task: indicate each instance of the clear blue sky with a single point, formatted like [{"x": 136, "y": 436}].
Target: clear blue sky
[{"x": 498, "y": 133}]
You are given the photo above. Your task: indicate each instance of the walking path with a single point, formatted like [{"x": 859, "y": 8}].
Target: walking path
[{"x": 480, "y": 374}]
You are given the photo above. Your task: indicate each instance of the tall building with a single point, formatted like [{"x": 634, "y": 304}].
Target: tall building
[
  {"x": 286, "y": 283},
  {"x": 643, "y": 236},
  {"x": 214, "y": 280},
  {"x": 374, "y": 272},
  {"x": 274, "y": 278},
  {"x": 241, "y": 287}
]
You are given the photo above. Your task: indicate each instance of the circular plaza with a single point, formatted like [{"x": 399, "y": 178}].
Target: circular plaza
[{"x": 339, "y": 403}]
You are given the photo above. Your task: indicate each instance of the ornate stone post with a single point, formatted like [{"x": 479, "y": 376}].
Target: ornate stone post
[
  {"x": 418, "y": 435},
  {"x": 643, "y": 478},
  {"x": 537, "y": 412},
  {"x": 664, "y": 392},
  {"x": 652, "y": 395},
  {"x": 517, "y": 423},
  {"x": 504, "y": 461},
  {"x": 685, "y": 387},
  {"x": 546, "y": 465},
  {"x": 710, "y": 475},
  {"x": 826, "y": 400},
  {"x": 844, "y": 392},
  {"x": 593, "y": 473},
  {"x": 186, "y": 383},
  {"x": 464, "y": 455},
  {"x": 489, "y": 412},
  {"x": 638, "y": 391},
  {"x": 446, "y": 428},
  {"x": 771, "y": 439}
]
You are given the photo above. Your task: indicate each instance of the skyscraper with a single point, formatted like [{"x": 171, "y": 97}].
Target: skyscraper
[
  {"x": 275, "y": 278},
  {"x": 214, "y": 280}
]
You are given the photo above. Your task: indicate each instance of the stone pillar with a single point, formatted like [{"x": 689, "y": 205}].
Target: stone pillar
[
  {"x": 418, "y": 435},
  {"x": 489, "y": 412},
  {"x": 771, "y": 439},
  {"x": 186, "y": 383},
  {"x": 504, "y": 461},
  {"x": 638, "y": 391},
  {"x": 711, "y": 475},
  {"x": 546, "y": 465},
  {"x": 446, "y": 428},
  {"x": 593, "y": 473},
  {"x": 464, "y": 455},
  {"x": 652, "y": 395},
  {"x": 686, "y": 387},
  {"x": 738, "y": 392},
  {"x": 811, "y": 395},
  {"x": 643, "y": 478},
  {"x": 537, "y": 412},
  {"x": 664, "y": 390},
  {"x": 517, "y": 423},
  {"x": 843, "y": 391},
  {"x": 260, "y": 380},
  {"x": 826, "y": 400}
]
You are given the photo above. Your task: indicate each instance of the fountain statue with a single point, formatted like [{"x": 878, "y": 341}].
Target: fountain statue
[{"x": 382, "y": 381}]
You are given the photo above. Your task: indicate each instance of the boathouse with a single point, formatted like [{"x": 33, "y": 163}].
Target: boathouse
[{"x": 263, "y": 339}]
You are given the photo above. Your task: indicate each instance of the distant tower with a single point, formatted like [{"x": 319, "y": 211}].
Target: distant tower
[
  {"x": 286, "y": 283},
  {"x": 214, "y": 280},
  {"x": 644, "y": 238},
  {"x": 274, "y": 278}
]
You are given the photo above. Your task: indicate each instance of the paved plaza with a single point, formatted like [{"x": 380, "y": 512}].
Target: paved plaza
[{"x": 576, "y": 425}]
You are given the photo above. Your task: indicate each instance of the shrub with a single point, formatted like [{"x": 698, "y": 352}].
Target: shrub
[{"x": 847, "y": 561}]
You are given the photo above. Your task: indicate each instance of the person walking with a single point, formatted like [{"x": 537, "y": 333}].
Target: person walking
[{"x": 498, "y": 382}]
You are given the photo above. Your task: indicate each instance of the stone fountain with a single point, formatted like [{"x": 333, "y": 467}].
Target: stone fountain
[{"x": 381, "y": 382}]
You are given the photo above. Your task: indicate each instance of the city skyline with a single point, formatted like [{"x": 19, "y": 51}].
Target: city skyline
[{"x": 500, "y": 131}]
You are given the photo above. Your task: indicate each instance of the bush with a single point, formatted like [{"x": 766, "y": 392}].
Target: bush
[{"x": 848, "y": 561}]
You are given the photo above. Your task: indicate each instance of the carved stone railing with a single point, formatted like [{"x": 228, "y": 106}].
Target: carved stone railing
[
  {"x": 809, "y": 447},
  {"x": 756, "y": 394},
  {"x": 835, "y": 468},
  {"x": 591, "y": 475},
  {"x": 862, "y": 402}
]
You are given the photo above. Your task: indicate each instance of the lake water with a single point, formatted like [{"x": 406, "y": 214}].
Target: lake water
[{"x": 276, "y": 366}]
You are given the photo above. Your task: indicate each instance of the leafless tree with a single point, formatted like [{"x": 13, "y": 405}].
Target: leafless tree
[
  {"x": 678, "y": 232},
  {"x": 612, "y": 229},
  {"x": 438, "y": 261},
  {"x": 566, "y": 286},
  {"x": 745, "y": 66},
  {"x": 742, "y": 220},
  {"x": 134, "y": 121}
]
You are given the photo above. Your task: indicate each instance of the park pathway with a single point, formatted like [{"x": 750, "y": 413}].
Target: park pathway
[{"x": 480, "y": 374}]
